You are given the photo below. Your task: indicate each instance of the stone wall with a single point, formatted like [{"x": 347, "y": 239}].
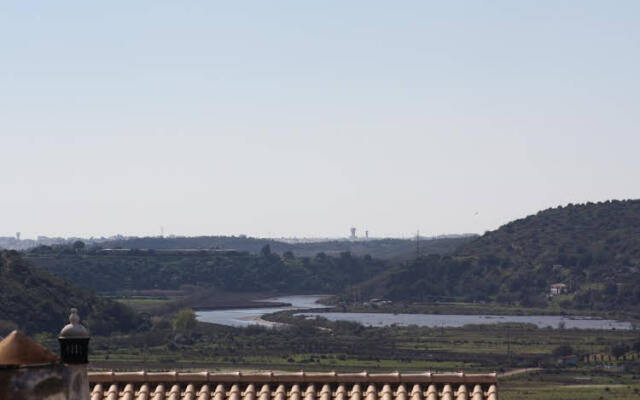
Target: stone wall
[{"x": 44, "y": 382}]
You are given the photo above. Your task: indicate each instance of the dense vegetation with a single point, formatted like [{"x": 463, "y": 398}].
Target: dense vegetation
[
  {"x": 237, "y": 272},
  {"x": 593, "y": 248},
  {"x": 37, "y": 301},
  {"x": 586, "y": 236},
  {"x": 376, "y": 248}
]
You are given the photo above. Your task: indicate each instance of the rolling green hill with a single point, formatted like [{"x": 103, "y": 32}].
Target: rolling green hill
[
  {"x": 36, "y": 301},
  {"x": 225, "y": 271},
  {"x": 593, "y": 248},
  {"x": 592, "y": 235}
]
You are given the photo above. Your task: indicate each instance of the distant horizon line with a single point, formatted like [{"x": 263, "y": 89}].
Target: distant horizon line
[{"x": 174, "y": 236}]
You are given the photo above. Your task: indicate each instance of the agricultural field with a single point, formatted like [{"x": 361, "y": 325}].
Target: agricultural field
[
  {"x": 569, "y": 385},
  {"x": 318, "y": 344}
]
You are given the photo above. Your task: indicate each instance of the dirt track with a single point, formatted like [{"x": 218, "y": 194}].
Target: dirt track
[{"x": 518, "y": 372}]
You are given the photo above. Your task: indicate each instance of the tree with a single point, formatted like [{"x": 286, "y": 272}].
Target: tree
[
  {"x": 266, "y": 250},
  {"x": 636, "y": 346},
  {"x": 619, "y": 350},
  {"x": 611, "y": 289},
  {"x": 185, "y": 322},
  {"x": 78, "y": 245},
  {"x": 563, "y": 350}
]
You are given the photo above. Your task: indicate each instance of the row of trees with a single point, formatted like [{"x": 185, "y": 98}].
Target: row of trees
[
  {"x": 491, "y": 279},
  {"x": 239, "y": 272}
]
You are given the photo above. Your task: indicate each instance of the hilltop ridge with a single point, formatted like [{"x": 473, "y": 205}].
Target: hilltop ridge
[
  {"x": 606, "y": 233},
  {"x": 592, "y": 248},
  {"x": 385, "y": 248}
]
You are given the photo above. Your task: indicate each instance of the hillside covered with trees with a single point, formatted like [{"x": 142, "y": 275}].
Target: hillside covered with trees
[
  {"x": 592, "y": 248},
  {"x": 588, "y": 236},
  {"x": 37, "y": 301},
  {"x": 226, "y": 271}
]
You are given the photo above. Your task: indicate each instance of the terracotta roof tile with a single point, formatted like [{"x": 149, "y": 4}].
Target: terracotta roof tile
[
  {"x": 291, "y": 386},
  {"x": 18, "y": 349}
]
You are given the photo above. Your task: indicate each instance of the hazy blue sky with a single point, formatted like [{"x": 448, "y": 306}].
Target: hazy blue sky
[{"x": 276, "y": 118}]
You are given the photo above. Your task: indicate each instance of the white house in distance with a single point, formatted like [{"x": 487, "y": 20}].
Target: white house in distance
[{"x": 558, "y": 288}]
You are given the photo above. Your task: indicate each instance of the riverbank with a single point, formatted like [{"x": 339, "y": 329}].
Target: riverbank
[
  {"x": 242, "y": 317},
  {"x": 264, "y": 322},
  {"x": 304, "y": 305},
  {"x": 483, "y": 309},
  {"x": 163, "y": 302},
  {"x": 460, "y": 320}
]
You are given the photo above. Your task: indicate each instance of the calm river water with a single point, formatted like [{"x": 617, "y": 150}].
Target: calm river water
[{"x": 250, "y": 316}]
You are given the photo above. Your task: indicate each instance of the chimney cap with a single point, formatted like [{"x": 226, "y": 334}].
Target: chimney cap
[{"x": 74, "y": 330}]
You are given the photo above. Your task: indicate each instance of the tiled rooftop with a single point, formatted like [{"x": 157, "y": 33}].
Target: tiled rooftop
[
  {"x": 18, "y": 349},
  {"x": 290, "y": 386}
]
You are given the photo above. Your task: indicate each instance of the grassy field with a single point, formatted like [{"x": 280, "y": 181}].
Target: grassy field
[
  {"x": 571, "y": 392},
  {"x": 161, "y": 302},
  {"x": 144, "y": 304},
  {"x": 570, "y": 385},
  {"x": 323, "y": 345}
]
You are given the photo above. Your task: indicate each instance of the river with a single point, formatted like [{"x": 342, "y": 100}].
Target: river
[{"x": 252, "y": 316}]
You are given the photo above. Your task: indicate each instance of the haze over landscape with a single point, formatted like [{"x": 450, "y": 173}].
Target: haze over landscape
[{"x": 299, "y": 119}]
